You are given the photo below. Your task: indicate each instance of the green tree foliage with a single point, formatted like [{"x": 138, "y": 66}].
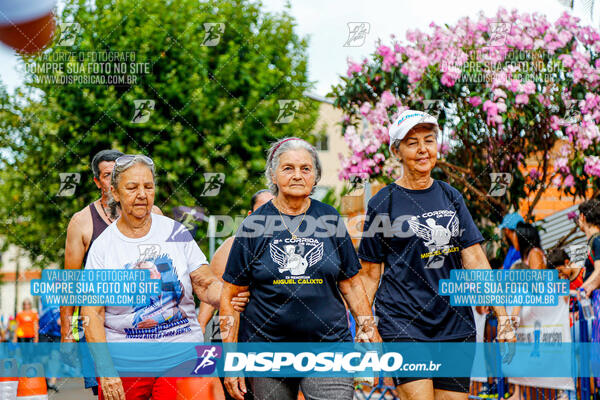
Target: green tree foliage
[{"x": 216, "y": 108}]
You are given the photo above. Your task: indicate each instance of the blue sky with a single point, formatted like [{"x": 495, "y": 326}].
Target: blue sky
[{"x": 325, "y": 22}]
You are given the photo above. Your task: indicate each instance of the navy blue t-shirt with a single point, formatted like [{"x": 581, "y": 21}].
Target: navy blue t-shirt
[
  {"x": 419, "y": 242},
  {"x": 293, "y": 283}
]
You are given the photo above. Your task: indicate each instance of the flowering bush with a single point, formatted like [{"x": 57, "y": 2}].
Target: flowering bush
[{"x": 510, "y": 87}]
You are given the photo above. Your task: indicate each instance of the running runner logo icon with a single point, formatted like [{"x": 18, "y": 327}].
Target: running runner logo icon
[
  {"x": 287, "y": 111},
  {"x": 68, "y": 33},
  {"x": 212, "y": 183},
  {"x": 214, "y": 31},
  {"x": 500, "y": 181},
  {"x": 68, "y": 183},
  {"x": 143, "y": 109},
  {"x": 357, "y": 33},
  {"x": 207, "y": 356},
  {"x": 498, "y": 32}
]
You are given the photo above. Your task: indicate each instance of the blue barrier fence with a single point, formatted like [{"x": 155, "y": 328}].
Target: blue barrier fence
[{"x": 584, "y": 384}]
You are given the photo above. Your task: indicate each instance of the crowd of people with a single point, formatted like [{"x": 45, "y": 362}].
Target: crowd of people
[
  {"x": 525, "y": 252},
  {"x": 251, "y": 286},
  {"x": 286, "y": 276},
  {"x": 27, "y": 326},
  {"x": 397, "y": 277}
]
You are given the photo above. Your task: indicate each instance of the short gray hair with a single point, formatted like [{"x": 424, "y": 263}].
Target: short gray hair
[
  {"x": 282, "y": 146},
  {"x": 116, "y": 177}
]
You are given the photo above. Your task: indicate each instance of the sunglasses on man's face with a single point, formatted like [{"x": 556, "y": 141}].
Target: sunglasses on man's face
[{"x": 128, "y": 158}]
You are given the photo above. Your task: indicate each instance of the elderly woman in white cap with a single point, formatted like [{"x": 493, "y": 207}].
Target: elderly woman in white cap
[{"x": 435, "y": 233}]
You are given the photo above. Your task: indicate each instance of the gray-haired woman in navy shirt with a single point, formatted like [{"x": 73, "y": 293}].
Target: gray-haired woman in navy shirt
[
  {"x": 432, "y": 233},
  {"x": 297, "y": 260}
]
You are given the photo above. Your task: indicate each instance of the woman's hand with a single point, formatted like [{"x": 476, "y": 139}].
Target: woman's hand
[
  {"x": 589, "y": 287},
  {"x": 112, "y": 388},
  {"x": 507, "y": 328},
  {"x": 229, "y": 319},
  {"x": 209, "y": 288},
  {"x": 366, "y": 330},
  {"x": 354, "y": 293},
  {"x": 240, "y": 301},
  {"x": 236, "y": 386}
]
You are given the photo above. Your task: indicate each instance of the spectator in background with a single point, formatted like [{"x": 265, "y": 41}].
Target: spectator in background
[
  {"x": 3, "y": 329},
  {"x": 27, "y": 324},
  {"x": 513, "y": 257},
  {"x": 49, "y": 332},
  {"x": 532, "y": 255},
  {"x": 589, "y": 223},
  {"x": 529, "y": 245},
  {"x": 559, "y": 259},
  {"x": 508, "y": 227},
  {"x": 27, "y": 330},
  {"x": 11, "y": 330}
]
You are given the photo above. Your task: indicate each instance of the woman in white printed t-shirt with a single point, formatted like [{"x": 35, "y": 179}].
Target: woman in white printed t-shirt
[{"x": 142, "y": 240}]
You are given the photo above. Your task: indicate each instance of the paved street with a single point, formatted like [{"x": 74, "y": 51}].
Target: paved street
[{"x": 71, "y": 389}]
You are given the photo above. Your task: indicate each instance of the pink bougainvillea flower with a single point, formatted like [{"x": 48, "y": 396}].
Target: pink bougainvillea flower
[
  {"x": 475, "y": 101},
  {"x": 495, "y": 85},
  {"x": 353, "y": 68}
]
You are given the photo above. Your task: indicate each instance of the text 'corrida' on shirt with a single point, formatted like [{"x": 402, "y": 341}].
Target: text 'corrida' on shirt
[
  {"x": 429, "y": 228},
  {"x": 293, "y": 283}
]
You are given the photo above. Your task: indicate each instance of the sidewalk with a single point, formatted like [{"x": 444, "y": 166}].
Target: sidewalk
[{"x": 71, "y": 389}]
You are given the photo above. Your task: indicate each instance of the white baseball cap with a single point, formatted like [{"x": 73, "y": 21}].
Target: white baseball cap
[{"x": 408, "y": 120}]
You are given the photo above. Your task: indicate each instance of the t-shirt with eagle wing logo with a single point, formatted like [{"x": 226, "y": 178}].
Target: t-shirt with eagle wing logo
[
  {"x": 418, "y": 235},
  {"x": 293, "y": 282}
]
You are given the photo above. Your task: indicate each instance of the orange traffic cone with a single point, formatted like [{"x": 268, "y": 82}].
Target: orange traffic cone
[
  {"x": 8, "y": 379},
  {"x": 205, "y": 388},
  {"x": 32, "y": 384}
]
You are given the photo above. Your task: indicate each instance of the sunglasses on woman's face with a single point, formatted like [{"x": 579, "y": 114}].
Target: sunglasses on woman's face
[{"x": 127, "y": 158}]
